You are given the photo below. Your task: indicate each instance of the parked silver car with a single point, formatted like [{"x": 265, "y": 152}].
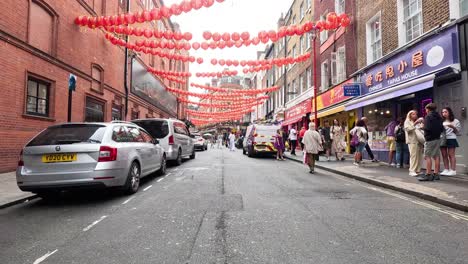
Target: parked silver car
[
  {"x": 200, "y": 142},
  {"x": 173, "y": 136},
  {"x": 77, "y": 155}
]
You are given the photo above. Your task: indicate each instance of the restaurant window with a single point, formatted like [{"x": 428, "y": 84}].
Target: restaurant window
[
  {"x": 94, "y": 110},
  {"x": 38, "y": 94},
  {"x": 42, "y": 27},
  {"x": 97, "y": 74},
  {"x": 411, "y": 12}
]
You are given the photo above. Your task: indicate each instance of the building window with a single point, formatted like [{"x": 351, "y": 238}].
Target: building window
[
  {"x": 294, "y": 20},
  {"x": 309, "y": 4},
  {"x": 411, "y": 12},
  {"x": 301, "y": 43},
  {"x": 302, "y": 11},
  {"x": 309, "y": 78},
  {"x": 116, "y": 112},
  {"x": 307, "y": 40},
  {"x": 42, "y": 27},
  {"x": 339, "y": 6},
  {"x": 123, "y": 5},
  {"x": 341, "y": 64},
  {"x": 294, "y": 51},
  {"x": 325, "y": 76},
  {"x": 38, "y": 94},
  {"x": 301, "y": 84},
  {"x": 94, "y": 110},
  {"x": 97, "y": 74},
  {"x": 463, "y": 7},
  {"x": 323, "y": 34},
  {"x": 135, "y": 115},
  {"x": 374, "y": 39}
]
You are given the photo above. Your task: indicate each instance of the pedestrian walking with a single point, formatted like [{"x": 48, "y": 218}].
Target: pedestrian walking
[
  {"x": 402, "y": 152},
  {"x": 232, "y": 142},
  {"x": 391, "y": 141},
  {"x": 326, "y": 138},
  {"x": 433, "y": 128},
  {"x": 415, "y": 143},
  {"x": 312, "y": 146},
  {"x": 279, "y": 145},
  {"x": 338, "y": 140},
  {"x": 301, "y": 136},
  {"x": 293, "y": 140},
  {"x": 449, "y": 143},
  {"x": 360, "y": 131},
  {"x": 219, "y": 141},
  {"x": 368, "y": 149}
]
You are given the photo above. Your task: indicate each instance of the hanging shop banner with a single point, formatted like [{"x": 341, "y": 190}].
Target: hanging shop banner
[
  {"x": 430, "y": 55},
  {"x": 333, "y": 96},
  {"x": 150, "y": 89},
  {"x": 298, "y": 111}
]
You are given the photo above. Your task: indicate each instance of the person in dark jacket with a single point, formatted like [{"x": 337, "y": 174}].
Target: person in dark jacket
[
  {"x": 368, "y": 149},
  {"x": 433, "y": 128}
]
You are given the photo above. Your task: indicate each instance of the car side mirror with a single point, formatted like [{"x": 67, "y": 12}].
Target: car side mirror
[{"x": 155, "y": 141}]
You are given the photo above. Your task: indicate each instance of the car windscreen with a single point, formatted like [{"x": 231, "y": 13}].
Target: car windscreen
[
  {"x": 69, "y": 134},
  {"x": 270, "y": 131},
  {"x": 156, "y": 128}
]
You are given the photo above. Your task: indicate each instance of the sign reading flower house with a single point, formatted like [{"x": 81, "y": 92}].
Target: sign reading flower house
[{"x": 430, "y": 55}]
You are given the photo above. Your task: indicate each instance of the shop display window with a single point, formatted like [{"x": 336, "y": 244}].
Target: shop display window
[{"x": 379, "y": 116}]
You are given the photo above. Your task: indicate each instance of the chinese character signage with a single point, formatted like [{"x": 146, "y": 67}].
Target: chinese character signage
[
  {"x": 352, "y": 89},
  {"x": 430, "y": 55}
]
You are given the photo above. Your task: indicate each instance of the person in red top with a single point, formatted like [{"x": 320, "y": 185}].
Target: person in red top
[{"x": 301, "y": 136}]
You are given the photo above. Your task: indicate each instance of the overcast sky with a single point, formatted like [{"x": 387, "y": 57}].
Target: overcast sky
[{"x": 229, "y": 16}]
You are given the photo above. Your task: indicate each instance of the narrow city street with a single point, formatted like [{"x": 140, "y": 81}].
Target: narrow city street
[{"x": 224, "y": 207}]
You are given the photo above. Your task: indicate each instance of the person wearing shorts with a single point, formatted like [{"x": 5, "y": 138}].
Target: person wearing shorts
[{"x": 433, "y": 128}]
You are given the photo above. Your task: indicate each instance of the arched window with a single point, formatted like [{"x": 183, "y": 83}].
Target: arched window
[
  {"x": 42, "y": 26},
  {"x": 97, "y": 73}
]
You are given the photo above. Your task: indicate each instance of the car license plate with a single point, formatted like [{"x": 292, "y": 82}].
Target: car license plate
[{"x": 64, "y": 157}]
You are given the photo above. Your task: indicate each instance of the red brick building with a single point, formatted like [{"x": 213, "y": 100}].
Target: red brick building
[{"x": 41, "y": 46}]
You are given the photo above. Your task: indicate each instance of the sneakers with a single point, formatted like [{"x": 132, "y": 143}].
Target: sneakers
[
  {"x": 426, "y": 177},
  {"x": 436, "y": 177},
  {"x": 451, "y": 173},
  {"x": 375, "y": 160},
  {"x": 445, "y": 172},
  {"x": 413, "y": 174},
  {"x": 393, "y": 165},
  {"x": 398, "y": 166},
  {"x": 356, "y": 163}
]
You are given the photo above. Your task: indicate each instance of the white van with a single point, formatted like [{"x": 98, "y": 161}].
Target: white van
[{"x": 173, "y": 136}]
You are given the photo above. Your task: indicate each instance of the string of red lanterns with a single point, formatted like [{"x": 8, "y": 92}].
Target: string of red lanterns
[
  {"x": 217, "y": 74},
  {"x": 169, "y": 73},
  {"x": 223, "y": 106},
  {"x": 218, "y": 97},
  {"x": 215, "y": 114},
  {"x": 236, "y": 91},
  {"x": 144, "y": 16}
]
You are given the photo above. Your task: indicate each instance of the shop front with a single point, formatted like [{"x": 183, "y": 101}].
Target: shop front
[
  {"x": 408, "y": 80},
  {"x": 331, "y": 107},
  {"x": 298, "y": 115}
]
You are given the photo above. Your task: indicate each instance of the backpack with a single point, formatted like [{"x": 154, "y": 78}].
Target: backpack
[
  {"x": 400, "y": 135},
  {"x": 354, "y": 140}
]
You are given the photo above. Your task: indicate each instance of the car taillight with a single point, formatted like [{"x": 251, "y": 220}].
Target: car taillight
[
  {"x": 107, "y": 154},
  {"x": 171, "y": 140},
  {"x": 20, "y": 161}
]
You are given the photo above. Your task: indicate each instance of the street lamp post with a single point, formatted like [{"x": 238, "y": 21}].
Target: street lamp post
[{"x": 313, "y": 40}]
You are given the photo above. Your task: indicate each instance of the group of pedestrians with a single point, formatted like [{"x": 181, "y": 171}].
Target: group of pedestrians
[{"x": 426, "y": 138}]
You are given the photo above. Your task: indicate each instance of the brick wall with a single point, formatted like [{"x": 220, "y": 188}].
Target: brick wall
[{"x": 435, "y": 12}]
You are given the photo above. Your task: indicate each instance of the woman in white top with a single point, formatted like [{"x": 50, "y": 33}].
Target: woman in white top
[
  {"x": 360, "y": 131},
  {"x": 232, "y": 139},
  {"x": 452, "y": 128}
]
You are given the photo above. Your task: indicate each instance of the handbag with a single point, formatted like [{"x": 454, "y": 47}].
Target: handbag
[{"x": 420, "y": 136}]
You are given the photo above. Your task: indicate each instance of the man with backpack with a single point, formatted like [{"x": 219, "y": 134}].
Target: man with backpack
[{"x": 402, "y": 150}]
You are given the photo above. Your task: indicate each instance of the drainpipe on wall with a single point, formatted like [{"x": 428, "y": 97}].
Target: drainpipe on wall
[{"x": 126, "y": 70}]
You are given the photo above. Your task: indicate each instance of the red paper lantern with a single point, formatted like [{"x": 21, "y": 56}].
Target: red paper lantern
[
  {"x": 129, "y": 19},
  {"x": 155, "y": 14},
  {"x": 222, "y": 62},
  {"x": 207, "y": 35},
  {"x": 216, "y": 36},
  {"x": 245, "y": 36},
  {"x": 188, "y": 36},
  {"x": 120, "y": 19},
  {"x": 235, "y": 63},
  {"x": 235, "y": 36},
  {"x": 78, "y": 20},
  {"x": 256, "y": 41},
  {"x": 187, "y": 46},
  {"x": 265, "y": 40},
  {"x": 345, "y": 21},
  {"x": 165, "y": 12},
  {"x": 195, "y": 45},
  {"x": 84, "y": 21},
  {"x": 197, "y": 4},
  {"x": 208, "y": 3},
  {"x": 243, "y": 63},
  {"x": 205, "y": 46},
  {"x": 214, "y": 61},
  {"x": 148, "y": 33},
  {"x": 226, "y": 37},
  {"x": 198, "y": 74},
  {"x": 170, "y": 45},
  {"x": 272, "y": 34},
  {"x": 199, "y": 60},
  {"x": 138, "y": 32},
  {"x": 228, "y": 62},
  {"x": 186, "y": 6},
  {"x": 192, "y": 59},
  {"x": 238, "y": 44},
  {"x": 168, "y": 34},
  {"x": 178, "y": 36}
]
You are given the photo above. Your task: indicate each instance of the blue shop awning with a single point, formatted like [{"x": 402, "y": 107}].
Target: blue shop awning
[{"x": 420, "y": 84}]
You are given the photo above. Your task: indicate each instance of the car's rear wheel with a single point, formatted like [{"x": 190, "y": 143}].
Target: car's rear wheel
[
  {"x": 162, "y": 169},
  {"x": 133, "y": 179},
  {"x": 250, "y": 152},
  {"x": 193, "y": 154}
]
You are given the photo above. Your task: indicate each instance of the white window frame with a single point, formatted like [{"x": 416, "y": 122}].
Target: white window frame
[
  {"x": 403, "y": 36},
  {"x": 340, "y": 6},
  {"x": 371, "y": 41},
  {"x": 324, "y": 33},
  {"x": 324, "y": 80},
  {"x": 301, "y": 46},
  {"x": 334, "y": 67},
  {"x": 341, "y": 64},
  {"x": 309, "y": 78},
  {"x": 308, "y": 5}
]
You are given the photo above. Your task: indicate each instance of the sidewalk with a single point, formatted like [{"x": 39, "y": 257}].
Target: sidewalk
[
  {"x": 10, "y": 194},
  {"x": 451, "y": 191}
]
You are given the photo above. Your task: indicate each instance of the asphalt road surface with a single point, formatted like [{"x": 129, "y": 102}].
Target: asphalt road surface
[{"x": 224, "y": 207}]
